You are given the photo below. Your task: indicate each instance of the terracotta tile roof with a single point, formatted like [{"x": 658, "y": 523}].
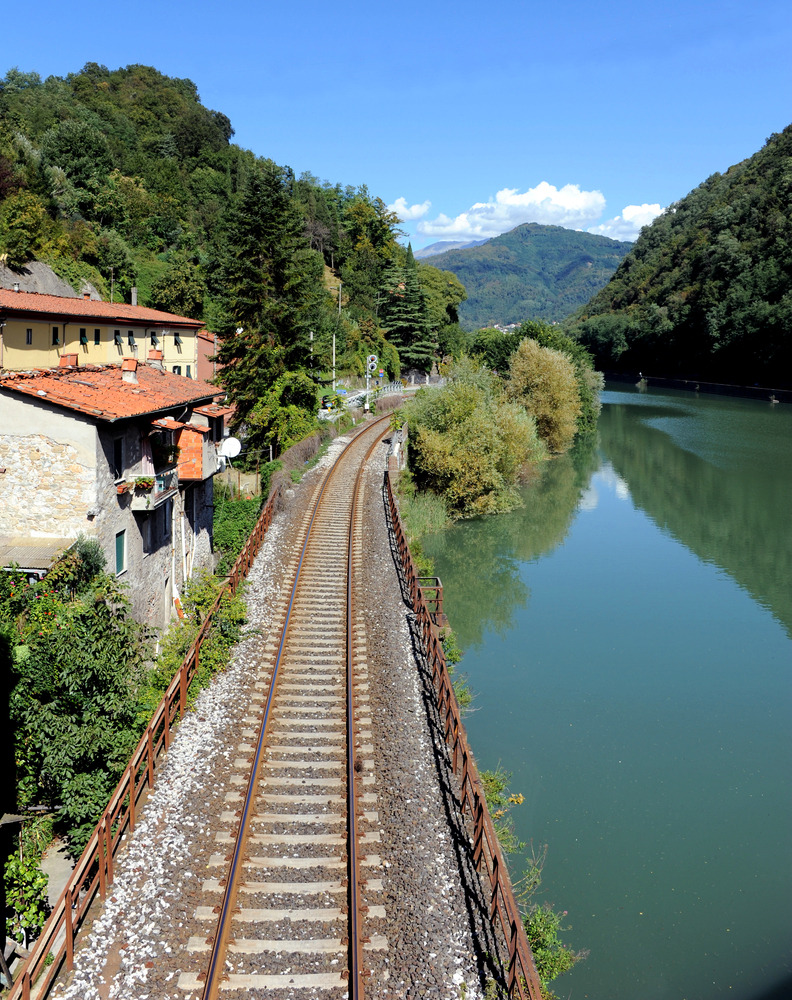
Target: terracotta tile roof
[
  {"x": 214, "y": 410},
  {"x": 59, "y": 307},
  {"x": 101, "y": 392}
]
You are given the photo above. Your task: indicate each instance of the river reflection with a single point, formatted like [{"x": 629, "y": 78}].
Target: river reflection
[
  {"x": 486, "y": 555},
  {"x": 717, "y": 475},
  {"x": 628, "y": 637}
]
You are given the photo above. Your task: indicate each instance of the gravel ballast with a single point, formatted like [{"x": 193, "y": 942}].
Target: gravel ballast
[{"x": 437, "y": 944}]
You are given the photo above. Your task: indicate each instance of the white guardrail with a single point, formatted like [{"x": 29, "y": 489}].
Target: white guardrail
[{"x": 358, "y": 398}]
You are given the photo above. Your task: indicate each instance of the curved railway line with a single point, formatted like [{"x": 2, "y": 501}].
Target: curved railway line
[{"x": 291, "y": 907}]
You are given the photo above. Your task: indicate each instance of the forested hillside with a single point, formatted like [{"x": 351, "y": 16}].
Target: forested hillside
[
  {"x": 125, "y": 179},
  {"x": 531, "y": 272},
  {"x": 707, "y": 290}
]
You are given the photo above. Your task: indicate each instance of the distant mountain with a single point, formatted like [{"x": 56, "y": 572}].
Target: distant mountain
[
  {"x": 706, "y": 292},
  {"x": 435, "y": 248},
  {"x": 531, "y": 272}
]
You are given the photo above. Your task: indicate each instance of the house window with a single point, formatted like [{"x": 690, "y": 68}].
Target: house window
[
  {"x": 97, "y": 336},
  {"x": 55, "y": 335},
  {"x": 177, "y": 340},
  {"x": 120, "y": 552},
  {"x": 131, "y": 339},
  {"x": 154, "y": 340},
  {"x": 177, "y": 369},
  {"x": 83, "y": 335},
  {"x": 167, "y": 514},
  {"x": 188, "y": 371},
  {"x": 117, "y": 338},
  {"x": 28, "y": 337},
  {"x": 118, "y": 458},
  {"x": 146, "y": 534}
]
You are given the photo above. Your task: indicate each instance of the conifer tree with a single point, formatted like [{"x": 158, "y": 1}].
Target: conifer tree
[
  {"x": 268, "y": 287},
  {"x": 405, "y": 316}
]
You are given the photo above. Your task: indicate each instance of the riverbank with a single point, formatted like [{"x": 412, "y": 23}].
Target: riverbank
[
  {"x": 627, "y": 633},
  {"x": 694, "y": 385}
]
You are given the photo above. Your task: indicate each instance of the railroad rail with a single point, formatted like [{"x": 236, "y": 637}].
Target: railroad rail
[
  {"x": 291, "y": 903},
  {"x": 295, "y": 898}
]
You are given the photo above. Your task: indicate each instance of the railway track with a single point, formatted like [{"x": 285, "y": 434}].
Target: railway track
[{"x": 292, "y": 904}]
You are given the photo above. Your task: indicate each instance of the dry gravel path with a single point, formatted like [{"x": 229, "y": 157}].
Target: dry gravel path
[{"x": 437, "y": 947}]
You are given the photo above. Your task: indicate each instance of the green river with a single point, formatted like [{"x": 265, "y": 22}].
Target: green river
[{"x": 628, "y": 635}]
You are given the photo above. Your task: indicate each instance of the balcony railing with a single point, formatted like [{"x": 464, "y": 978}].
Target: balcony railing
[{"x": 165, "y": 485}]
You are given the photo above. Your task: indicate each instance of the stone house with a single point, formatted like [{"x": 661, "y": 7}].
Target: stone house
[
  {"x": 122, "y": 453},
  {"x": 36, "y": 330}
]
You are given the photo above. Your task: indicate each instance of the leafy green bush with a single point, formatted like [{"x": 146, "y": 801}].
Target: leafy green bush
[
  {"x": 76, "y": 662},
  {"x": 468, "y": 444},
  {"x": 233, "y": 522},
  {"x": 543, "y": 925},
  {"x": 544, "y": 382},
  {"x": 500, "y": 802},
  {"x": 26, "y": 897},
  {"x": 267, "y": 472},
  {"x": 590, "y": 381},
  {"x": 198, "y": 597}
]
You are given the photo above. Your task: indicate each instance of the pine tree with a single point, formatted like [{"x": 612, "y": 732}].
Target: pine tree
[
  {"x": 268, "y": 287},
  {"x": 405, "y": 316}
]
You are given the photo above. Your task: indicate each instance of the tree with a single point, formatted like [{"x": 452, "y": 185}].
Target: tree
[
  {"x": 468, "y": 444},
  {"x": 495, "y": 347},
  {"x": 286, "y": 412},
  {"x": 268, "y": 287},
  {"x": 404, "y": 315},
  {"x": 443, "y": 292},
  {"x": 180, "y": 289},
  {"x": 24, "y": 227},
  {"x": 82, "y": 152},
  {"x": 590, "y": 381},
  {"x": 543, "y": 381},
  {"x": 76, "y": 658}
]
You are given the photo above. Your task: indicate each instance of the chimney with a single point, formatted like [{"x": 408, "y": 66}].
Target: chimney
[
  {"x": 67, "y": 360},
  {"x": 86, "y": 296},
  {"x": 134, "y": 295},
  {"x": 16, "y": 286},
  {"x": 155, "y": 360},
  {"x": 129, "y": 370}
]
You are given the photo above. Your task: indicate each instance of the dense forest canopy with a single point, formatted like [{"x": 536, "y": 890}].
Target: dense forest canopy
[
  {"x": 123, "y": 178},
  {"x": 706, "y": 291}
]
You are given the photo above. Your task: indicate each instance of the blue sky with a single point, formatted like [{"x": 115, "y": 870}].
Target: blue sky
[{"x": 467, "y": 118}]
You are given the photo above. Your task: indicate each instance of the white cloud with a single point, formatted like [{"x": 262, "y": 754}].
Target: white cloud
[
  {"x": 407, "y": 212},
  {"x": 627, "y": 226},
  {"x": 546, "y": 204}
]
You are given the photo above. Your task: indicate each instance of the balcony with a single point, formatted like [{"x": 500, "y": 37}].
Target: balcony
[{"x": 148, "y": 492}]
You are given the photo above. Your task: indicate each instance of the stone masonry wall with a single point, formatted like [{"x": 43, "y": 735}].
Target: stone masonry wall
[{"x": 45, "y": 492}]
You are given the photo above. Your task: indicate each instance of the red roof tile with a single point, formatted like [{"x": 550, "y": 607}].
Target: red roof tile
[
  {"x": 214, "y": 410},
  {"x": 101, "y": 392},
  {"x": 60, "y": 307}
]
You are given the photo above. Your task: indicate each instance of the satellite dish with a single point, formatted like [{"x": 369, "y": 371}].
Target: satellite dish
[{"x": 230, "y": 447}]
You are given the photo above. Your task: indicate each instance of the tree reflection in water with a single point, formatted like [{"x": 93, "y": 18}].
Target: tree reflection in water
[{"x": 481, "y": 558}]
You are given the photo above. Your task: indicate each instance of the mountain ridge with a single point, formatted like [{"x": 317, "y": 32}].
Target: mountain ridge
[{"x": 531, "y": 272}]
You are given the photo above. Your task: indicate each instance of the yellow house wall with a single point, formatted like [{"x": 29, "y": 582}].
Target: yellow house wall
[{"x": 17, "y": 355}]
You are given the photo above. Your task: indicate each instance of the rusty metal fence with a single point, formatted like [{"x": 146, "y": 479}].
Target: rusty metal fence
[
  {"x": 521, "y": 976},
  {"x": 93, "y": 873}
]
